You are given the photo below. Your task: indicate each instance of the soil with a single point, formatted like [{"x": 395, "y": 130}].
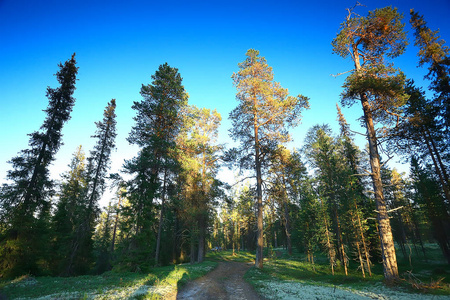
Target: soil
[{"x": 224, "y": 282}]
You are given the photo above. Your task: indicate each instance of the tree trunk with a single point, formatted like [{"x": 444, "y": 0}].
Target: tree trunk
[
  {"x": 387, "y": 242},
  {"x": 113, "y": 242},
  {"x": 363, "y": 240},
  {"x": 287, "y": 226},
  {"x": 201, "y": 239},
  {"x": 440, "y": 169},
  {"x": 161, "y": 219},
  {"x": 260, "y": 232},
  {"x": 192, "y": 249}
]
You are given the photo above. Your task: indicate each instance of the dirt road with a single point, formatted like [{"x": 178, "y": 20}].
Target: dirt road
[{"x": 224, "y": 282}]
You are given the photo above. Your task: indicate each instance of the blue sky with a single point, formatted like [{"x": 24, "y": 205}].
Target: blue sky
[{"x": 120, "y": 44}]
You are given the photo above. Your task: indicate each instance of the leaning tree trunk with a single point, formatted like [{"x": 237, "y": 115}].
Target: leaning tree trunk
[{"x": 387, "y": 241}]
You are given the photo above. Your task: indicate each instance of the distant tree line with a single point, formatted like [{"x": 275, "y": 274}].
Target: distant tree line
[{"x": 328, "y": 197}]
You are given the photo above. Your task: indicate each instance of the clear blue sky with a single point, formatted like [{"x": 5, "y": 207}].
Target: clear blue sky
[{"x": 120, "y": 44}]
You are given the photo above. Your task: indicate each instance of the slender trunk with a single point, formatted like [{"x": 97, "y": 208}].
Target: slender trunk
[
  {"x": 287, "y": 226},
  {"x": 113, "y": 242},
  {"x": 175, "y": 239},
  {"x": 438, "y": 156},
  {"x": 361, "y": 260},
  {"x": 440, "y": 169},
  {"x": 260, "y": 237},
  {"x": 201, "y": 239},
  {"x": 342, "y": 254},
  {"x": 161, "y": 219},
  {"x": 329, "y": 244},
  {"x": 192, "y": 249},
  {"x": 363, "y": 240}
]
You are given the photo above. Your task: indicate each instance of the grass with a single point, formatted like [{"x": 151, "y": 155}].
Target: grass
[
  {"x": 154, "y": 285},
  {"x": 283, "y": 277},
  {"x": 228, "y": 255}
]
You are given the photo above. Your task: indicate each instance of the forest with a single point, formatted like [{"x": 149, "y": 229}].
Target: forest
[{"x": 328, "y": 198}]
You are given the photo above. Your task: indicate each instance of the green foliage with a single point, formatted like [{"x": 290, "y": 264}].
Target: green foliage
[
  {"x": 69, "y": 211},
  {"x": 432, "y": 51},
  {"x": 25, "y": 202}
]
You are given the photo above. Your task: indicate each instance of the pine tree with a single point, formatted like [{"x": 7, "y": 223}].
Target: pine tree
[
  {"x": 260, "y": 122},
  {"x": 158, "y": 123},
  {"x": 370, "y": 41},
  {"x": 25, "y": 202}
]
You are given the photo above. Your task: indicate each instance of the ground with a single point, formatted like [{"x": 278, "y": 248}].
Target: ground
[{"x": 224, "y": 282}]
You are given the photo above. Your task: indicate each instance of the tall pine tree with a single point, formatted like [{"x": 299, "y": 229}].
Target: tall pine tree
[
  {"x": 370, "y": 41},
  {"x": 261, "y": 120}
]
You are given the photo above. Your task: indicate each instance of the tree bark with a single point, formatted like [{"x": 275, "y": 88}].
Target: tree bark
[
  {"x": 161, "y": 220},
  {"x": 201, "y": 239},
  {"x": 260, "y": 232},
  {"x": 387, "y": 242}
]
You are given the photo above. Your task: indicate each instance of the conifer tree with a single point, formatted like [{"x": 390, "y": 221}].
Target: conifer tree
[
  {"x": 158, "y": 122},
  {"x": 25, "y": 202},
  {"x": 261, "y": 120},
  {"x": 81, "y": 256},
  {"x": 434, "y": 53},
  {"x": 69, "y": 210},
  {"x": 370, "y": 41}
]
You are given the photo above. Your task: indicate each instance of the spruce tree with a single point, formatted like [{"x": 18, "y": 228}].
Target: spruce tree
[
  {"x": 25, "y": 201},
  {"x": 434, "y": 53},
  {"x": 81, "y": 257},
  {"x": 69, "y": 210}
]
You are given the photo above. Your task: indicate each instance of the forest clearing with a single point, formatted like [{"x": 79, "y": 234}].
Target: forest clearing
[
  {"x": 262, "y": 214},
  {"x": 283, "y": 277}
]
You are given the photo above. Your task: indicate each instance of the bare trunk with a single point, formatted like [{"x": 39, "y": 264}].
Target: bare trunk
[
  {"x": 161, "y": 220},
  {"x": 260, "y": 232},
  {"x": 440, "y": 169},
  {"x": 113, "y": 242},
  {"x": 201, "y": 240},
  {"x": 363, "y": 240},
  {"x": 192, "y": 250},
  {"x": 287, "y": 227},
  {"x": 387, "y": 242}
]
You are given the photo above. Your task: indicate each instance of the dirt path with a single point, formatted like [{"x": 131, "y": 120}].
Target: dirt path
[{"x": 224, "y": 282}]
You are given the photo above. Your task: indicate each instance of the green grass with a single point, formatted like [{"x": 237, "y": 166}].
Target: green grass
[
  {"x": 280, "y": 272},
  {"x": 227, "y": 255},
  {"x": 295, "y": 268},
  {"x": 110, "y": 285}
]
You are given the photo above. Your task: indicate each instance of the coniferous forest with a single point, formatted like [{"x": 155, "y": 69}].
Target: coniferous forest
[{"x": 329, "y": 201}]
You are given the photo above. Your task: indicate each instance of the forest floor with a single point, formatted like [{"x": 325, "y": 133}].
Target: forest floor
[
  {"x": 224, "y": 282},
  {"x": 228, "y": 275}
]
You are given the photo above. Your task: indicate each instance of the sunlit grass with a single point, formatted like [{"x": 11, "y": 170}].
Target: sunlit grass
[
  {"x": 228, "y": 255},
  {"x": 154, "y": 285}
]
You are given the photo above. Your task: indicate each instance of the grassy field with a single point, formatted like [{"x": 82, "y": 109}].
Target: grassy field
[{"x": 283, "y": 277}]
